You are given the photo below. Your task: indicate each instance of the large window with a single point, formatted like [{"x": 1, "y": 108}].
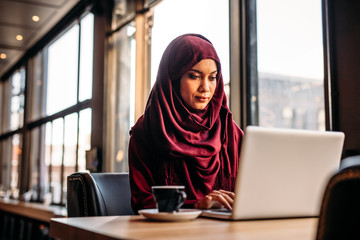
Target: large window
[
  {"x": 290, "y": 64},
  {"x": 12, "y": 119},
  {"x": 68, "y": 87},
  {"x": 48, "y": 140}
]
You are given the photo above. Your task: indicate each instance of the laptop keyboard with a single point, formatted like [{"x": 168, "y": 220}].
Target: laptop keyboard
[{"x": 221, "y": 210}]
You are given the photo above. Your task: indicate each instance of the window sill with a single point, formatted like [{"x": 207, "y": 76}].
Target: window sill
[{"x": 36, "y": 211}]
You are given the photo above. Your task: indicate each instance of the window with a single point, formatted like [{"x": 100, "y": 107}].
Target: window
[
  {"x": 122, "y": 87},
  {"x": 57, "y": 128},
  {"x": 12, "y": 119},
  {"x": 290, "y": 64},
  {"x": 62, "y": 72},
  {"x": 68, "y": 89}
]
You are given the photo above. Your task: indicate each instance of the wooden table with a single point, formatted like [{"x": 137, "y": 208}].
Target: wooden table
[{"x": 137, "y": 227}]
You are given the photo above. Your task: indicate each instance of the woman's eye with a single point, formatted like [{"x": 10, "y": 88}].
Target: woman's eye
[
  {"x": 213, "y": 78},
  {"x": 192, "y": 76}
]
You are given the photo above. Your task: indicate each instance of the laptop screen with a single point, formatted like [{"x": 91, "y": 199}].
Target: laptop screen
[{"x": 284, "y": 172}]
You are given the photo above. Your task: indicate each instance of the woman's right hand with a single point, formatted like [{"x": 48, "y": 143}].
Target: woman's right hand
[{"x": 216, "y": 199}]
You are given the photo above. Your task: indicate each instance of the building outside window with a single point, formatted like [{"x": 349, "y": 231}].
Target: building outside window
[{"x": 290, "y": 64}]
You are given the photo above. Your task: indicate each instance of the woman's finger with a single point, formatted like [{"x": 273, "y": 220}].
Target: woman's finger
[
  {"x": 204, "y": 203},
  {"x": 228, "y": 198},
  {"x": 216, "y": 199},
  {"x": 223, "y": 199},
  {"x": 230, "y": 194}
]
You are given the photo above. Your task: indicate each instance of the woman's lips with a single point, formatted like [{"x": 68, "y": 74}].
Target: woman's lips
[{"x": 202, "y": 99}]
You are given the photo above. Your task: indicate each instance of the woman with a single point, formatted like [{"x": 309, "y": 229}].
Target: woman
[{"x": 186, "y": 135}]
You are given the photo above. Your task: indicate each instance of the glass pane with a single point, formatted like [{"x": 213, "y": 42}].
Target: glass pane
[
  {"x": 47, "y": 160},
  {"x": 62, "y": 72},
  {"x": 5, "y": 105},
  {"x": 211, "y": 20},
  {"x": 84, "y": 138},
  {"x": 125, "y": 98},
  {"x": 123, "y": 10},
  {"x": 86, "y": 57},
  {"x": 70, "y": 145},
  {"x": 36, "y": 88},
  {"x": 17, "y": 99},
  {"x": 34, "y": 164},
  {"x": 56, "y": 159},
  {"x": 290, "y": 64},
  {"x": 6, "y": 156},
  {"x": 15, "y": 161},
  {"x": 2, "y": 107}
]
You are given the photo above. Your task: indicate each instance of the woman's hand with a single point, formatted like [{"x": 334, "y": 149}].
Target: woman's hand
[{"x": 216, "y": 199}]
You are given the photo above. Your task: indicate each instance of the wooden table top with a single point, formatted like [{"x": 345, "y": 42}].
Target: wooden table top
[{"x": 137, "y": 227}]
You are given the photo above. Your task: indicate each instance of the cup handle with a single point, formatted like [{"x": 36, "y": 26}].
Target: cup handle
[{"x": 182, "y": 198}]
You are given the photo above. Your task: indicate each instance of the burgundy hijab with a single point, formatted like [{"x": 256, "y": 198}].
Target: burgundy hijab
[{"x": 204, "y": 144}]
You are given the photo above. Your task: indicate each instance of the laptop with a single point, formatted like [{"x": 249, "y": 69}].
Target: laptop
[{"x": 282, "y": 173}]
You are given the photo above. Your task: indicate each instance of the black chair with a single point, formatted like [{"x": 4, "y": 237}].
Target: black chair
[
  {"x": 98, "y": 194},
  {"x": 340, "y": 211}
]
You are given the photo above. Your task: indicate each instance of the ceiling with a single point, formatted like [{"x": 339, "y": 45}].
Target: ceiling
[{"x": 16, "y": 19}]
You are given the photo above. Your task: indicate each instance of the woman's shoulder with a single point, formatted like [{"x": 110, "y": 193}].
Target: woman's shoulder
[
  {"x": 137, "y": 132},
  {"x": 138, "y": 128},
  {"x": 138, "y": 141}
]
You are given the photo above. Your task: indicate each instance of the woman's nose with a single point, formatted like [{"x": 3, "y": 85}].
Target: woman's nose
[{"x": 205, "y": 83}]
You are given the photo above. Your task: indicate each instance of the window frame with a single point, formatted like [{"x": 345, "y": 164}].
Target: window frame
[{"x": 24, "y": 168}]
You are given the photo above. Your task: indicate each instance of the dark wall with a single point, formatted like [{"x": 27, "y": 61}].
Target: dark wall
[{"x": 342, "y": 24}]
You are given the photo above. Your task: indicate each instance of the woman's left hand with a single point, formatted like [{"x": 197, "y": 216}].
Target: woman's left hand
[{"x": 217, "y": 199}]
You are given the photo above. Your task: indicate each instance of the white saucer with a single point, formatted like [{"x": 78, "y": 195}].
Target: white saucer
[{"x": 182, "y": 215}]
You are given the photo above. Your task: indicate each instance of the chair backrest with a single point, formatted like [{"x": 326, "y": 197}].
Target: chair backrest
[
  {"x": 340, "y": 211},
  {"x": 98, "y": 194}
]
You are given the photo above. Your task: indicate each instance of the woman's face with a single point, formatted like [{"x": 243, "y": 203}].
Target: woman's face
[{"x": 197, "y": 86}]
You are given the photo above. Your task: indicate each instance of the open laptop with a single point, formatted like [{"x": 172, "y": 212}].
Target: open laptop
[{"x": 282, "y": 173}]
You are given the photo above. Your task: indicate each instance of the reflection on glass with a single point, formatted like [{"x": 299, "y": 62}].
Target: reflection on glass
[
  {"x": 34, "y": 163},
  {"x": 86, "y": 57},
  {"x": 15, "y": 160},
  {"x": 62, "y": 72},
  {"x": 6, "y": 158},
  {"x": 84, "y": 137},
  {"x": 36, "y": 88},
  {"x": 70, "y": 140},
  {"x": 70, "y": 145},
  {"x": 123, "y": 10},
  {"x": 56, "y": 158},
  {"x": 125, "y": 94},
  {"x": 290, "y": 64},
  {"x": 2, "y": 105},
  {"x": 17, "y": 99},
  {"x": 48, "y": 151}
]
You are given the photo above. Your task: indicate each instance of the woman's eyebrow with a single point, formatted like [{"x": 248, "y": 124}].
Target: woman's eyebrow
[{"x": 195, "y": 70}]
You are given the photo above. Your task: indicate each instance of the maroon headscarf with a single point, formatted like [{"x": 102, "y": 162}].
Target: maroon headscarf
[{"x": 206, "y": 141}]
